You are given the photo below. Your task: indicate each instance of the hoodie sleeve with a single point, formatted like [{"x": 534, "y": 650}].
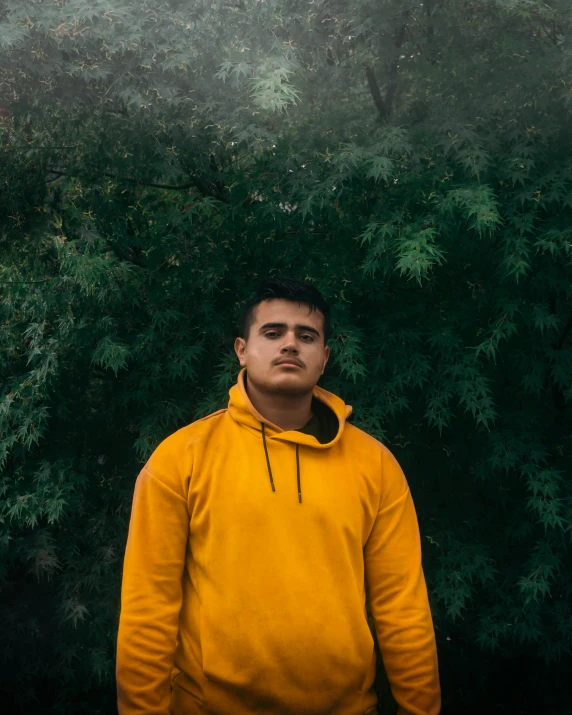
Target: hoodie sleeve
[
  {"x": 398, "y": 597},
  {"x": 151, "y": 593}
]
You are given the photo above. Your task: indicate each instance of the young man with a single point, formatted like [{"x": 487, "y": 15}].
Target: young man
[{"x": 252, "y": 536}]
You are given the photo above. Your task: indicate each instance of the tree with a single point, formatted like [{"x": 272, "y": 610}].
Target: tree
[{"x": 158, "y": 158}]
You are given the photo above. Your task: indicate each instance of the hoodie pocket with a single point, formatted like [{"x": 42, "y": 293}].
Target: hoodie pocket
[{"x": 182, "y": 700}]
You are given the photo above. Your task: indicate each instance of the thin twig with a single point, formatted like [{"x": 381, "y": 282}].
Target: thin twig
[
  {"x": 34, "y": 148},
  {"x": 7, "y": 283},
  {"x": 174, "y": 187}
]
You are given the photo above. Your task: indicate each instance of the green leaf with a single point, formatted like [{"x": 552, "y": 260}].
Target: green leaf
[{"x": 110, "y": 353}]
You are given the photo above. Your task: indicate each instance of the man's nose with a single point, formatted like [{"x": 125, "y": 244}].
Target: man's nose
[{"x": 289, "y": 344}]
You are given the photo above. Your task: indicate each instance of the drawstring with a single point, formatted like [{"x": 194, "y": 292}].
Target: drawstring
[
  {"x": 298, "y": 472},
  {"x": 270, "y": 469},
  {"x": 267, "y": 458}
]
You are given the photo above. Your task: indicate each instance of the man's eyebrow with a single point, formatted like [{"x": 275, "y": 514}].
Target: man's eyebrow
[{"x": 307, "y": 328}]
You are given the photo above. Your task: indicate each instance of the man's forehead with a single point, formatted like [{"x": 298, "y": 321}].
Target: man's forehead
[{"x": 277, "y": 311}]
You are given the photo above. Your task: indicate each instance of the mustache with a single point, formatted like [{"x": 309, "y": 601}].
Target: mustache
[{"x": 296, "y": 361}]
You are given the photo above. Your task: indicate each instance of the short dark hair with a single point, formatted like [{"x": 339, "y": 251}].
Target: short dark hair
[{"x": 285, "y": 289}]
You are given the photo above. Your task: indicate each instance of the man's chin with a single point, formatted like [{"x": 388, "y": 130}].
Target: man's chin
[{"x": 289, "y": 385}]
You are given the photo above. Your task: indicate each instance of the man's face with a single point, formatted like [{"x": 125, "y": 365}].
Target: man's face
[{"x": 284, "y": 352}]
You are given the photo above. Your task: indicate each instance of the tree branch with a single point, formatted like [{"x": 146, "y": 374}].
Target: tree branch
[
  {"x": 433, "y": 52},
  {"x": 174, "y": 187},
  {"x": 392, "y": 86},
  {"x": 7, "y": 283},
  {"x": 37, "y": 148},
  {"x": 383, "y": 105},
  {"x": 429, "y": 13},
  {"x": 203, "y": 185},
  {"x": 374, "y": 91}
]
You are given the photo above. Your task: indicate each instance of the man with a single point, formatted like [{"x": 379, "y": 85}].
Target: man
[{"x": 252, "y": 535}]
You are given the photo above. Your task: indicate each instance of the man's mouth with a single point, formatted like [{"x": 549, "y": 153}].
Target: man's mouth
[{"x": 289, "y": 363}]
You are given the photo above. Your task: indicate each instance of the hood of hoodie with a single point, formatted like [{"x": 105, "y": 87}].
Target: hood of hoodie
[{"x": 244, "y": 413}]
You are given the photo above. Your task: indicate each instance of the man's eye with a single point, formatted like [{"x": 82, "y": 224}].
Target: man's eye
[
  {"x": 270, "y": 334},
  {"x": 309, "y": 337}
]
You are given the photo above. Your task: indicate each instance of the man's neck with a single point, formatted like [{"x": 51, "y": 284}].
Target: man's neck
[{"x": 287, "y": 412}]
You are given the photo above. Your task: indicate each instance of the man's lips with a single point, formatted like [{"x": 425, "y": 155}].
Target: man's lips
[{"x": 292, "y": 363}]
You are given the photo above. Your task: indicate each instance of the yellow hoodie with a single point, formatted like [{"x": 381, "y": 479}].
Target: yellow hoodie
[{"x": 243, "y": 583}]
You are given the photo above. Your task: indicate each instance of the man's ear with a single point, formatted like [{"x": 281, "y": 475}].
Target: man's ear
[
  {"x": 327, "y": 356},
  {"x": 240, "y": 349}
]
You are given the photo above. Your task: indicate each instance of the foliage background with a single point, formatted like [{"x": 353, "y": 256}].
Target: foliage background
[{"x": 412, "y": 159}]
